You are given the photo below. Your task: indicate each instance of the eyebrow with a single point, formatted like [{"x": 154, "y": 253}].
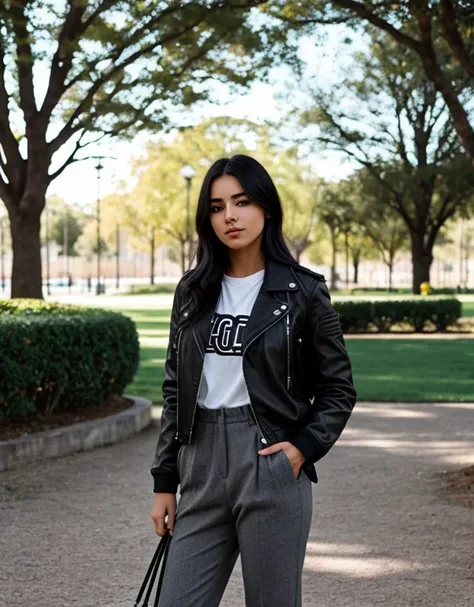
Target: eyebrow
[{"x": 234, "y": 196}]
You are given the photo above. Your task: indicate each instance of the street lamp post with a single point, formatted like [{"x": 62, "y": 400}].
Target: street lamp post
[
  {"x": 2, "y": 237},
  {"x": 117, "y": 256},
  {"x": 66, "y": 245},
  {"x": 188, "y": 173},
  {"x": 99, "y": 166},
  {"x": 48, "y": 277}
]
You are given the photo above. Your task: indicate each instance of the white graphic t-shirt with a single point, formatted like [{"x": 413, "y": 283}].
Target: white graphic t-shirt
[{"x": 222, "y": 380}]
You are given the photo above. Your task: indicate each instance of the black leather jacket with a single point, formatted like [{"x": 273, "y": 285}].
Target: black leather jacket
[{"x": 295, "y": 365}]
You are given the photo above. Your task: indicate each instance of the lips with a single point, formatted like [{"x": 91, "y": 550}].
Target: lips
[{"x": 234, "y": 230}]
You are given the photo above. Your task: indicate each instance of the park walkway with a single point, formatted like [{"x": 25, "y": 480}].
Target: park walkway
[{"x": 76, "y": 531}]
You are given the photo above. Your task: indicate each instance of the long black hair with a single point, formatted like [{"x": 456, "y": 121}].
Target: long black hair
[{"x": 201, "y": 285}]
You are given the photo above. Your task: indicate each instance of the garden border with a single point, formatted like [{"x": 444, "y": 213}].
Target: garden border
[{"x": 76, "y": 437}]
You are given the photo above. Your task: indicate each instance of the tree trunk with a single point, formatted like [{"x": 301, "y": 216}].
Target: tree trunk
[
  {"x": 192, "y": 254},
  {"x": 421, "y": 260},
  {"x": 356, "y": 271},
  {"x": 390, "y": 277},
  {"x": 333, "y": 260},
  {"x": 182, "y": 244},
  {"x": 152, "y": 257},
  {"x": 346, "y": 242},
  {"x": 26, "y": 245},
  {"x": 297, "y": 254}
]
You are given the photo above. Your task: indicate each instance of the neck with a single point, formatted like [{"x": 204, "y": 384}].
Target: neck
[{"x": 244, "y": 263}]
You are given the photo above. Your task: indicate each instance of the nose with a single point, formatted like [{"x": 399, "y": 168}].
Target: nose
[{"x": 230, "y": 214}]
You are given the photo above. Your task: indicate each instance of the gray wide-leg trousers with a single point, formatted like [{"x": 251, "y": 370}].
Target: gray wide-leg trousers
[{"x": 233, "y": 501}]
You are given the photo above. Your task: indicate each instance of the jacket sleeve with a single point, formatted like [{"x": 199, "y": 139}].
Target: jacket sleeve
[
  {"x": 330, "y": 374},
  {"x": 164, "y": 468}
]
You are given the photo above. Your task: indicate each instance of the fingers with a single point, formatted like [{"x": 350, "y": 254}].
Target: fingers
[
  {"x": 159, "y": 521},
  {"x": 158, "y": 517},
  {"x": 272, "y": 449},
  {"x": 164, "y": 521},
  {"x": 171, "y": 517}
]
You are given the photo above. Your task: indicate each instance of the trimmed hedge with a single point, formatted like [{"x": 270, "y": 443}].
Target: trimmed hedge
[
  {"x": 361, "y": 315},
  {"x": 160, "y": 288},
  {"x": 58, "y": 357}
]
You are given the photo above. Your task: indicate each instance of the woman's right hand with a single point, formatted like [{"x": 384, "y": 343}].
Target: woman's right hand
[{"x": 164, "y": 504}]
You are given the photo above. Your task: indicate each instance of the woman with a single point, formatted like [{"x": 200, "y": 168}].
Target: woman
[{"x": 258, "y": 387}]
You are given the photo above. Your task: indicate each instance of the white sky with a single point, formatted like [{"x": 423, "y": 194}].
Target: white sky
[{"x": 78, "y": 183}]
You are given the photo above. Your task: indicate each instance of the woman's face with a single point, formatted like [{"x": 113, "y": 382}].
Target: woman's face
[{"x": 237, "y": 221}]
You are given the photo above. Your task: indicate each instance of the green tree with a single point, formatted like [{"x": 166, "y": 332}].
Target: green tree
[
  {"x": 360, "y": 247},
  {"x": 157, "y": 207},
  {"x": 298, "y": 188},
  {"x": 440, "y": 35},
  {"x": 392, "y": 121},
  {"x": 87, "y": 242},
  {"x": 335, "y": 210},
  {"x": 110, "y": 69},
  {"x": 65, "y": 231},
  {"x": 380, "y": 222}
]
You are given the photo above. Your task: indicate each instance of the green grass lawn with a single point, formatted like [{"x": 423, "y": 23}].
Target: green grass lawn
[
  {"x": 467, "y": 308},
  {"x": 413, "y": 369},
  {"x": 153, "y": 329},
  {"x": 385, "y": 370}
]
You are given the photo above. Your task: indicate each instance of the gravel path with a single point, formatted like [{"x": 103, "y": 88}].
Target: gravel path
[{"x": 76, "y": 531}]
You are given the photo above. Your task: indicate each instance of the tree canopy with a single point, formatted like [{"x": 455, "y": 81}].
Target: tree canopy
[
  {"x": 439, "y": 33},
  {"x": 75, "y": 72}
]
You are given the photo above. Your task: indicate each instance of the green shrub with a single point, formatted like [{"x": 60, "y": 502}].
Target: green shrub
[
  {"x": 381, "y": 290},
  {"x": 453, "y": 291},
  {"x": 58, "y": 357},
  {"x": 360, "y": 315},
  {"x": 353, "y": 315},
  {"x": 163, "y": 288}
]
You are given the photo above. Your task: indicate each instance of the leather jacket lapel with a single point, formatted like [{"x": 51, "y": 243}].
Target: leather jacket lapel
[
  {"x": 267, "y": 308},
  {"x": 202, "y": 328},
  {"x": 265, "y": 312}
]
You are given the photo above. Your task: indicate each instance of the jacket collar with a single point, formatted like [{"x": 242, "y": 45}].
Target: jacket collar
[
  {"x": 267, "y": 309},
  {"x": 279, "y": 277}
]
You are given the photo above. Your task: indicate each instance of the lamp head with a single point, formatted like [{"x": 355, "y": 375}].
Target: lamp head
[{"x": 188, "y": 172}]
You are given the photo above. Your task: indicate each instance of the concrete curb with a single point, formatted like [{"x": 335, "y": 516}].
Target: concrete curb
[{"x": 77, "y": 437}]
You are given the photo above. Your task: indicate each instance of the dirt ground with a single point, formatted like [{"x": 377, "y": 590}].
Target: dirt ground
[
  {"x": 15, "y": 427},
  {"x": 458, "y": 486},
  {"x": 76, "y": 531}
]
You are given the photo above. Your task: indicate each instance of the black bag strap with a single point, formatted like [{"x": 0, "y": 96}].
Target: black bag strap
[
  {"x": 159, "y": 557},
  {"x": 162, "y": 573}
]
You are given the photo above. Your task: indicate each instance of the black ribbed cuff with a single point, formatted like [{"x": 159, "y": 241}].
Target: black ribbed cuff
[
  {"x": 305, "y": 442},
  {"x": 165, "y": 483}
]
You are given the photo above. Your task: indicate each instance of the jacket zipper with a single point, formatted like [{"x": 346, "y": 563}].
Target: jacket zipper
[
  {"x": 288, "y": 349},
  {"x": 177, "y": 383},
  {"x": 200, "y": 380},
  {"x": 264, "y": 439}
]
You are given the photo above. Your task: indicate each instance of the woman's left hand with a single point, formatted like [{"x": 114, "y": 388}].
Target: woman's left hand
[{"x": 294, "y": 455}]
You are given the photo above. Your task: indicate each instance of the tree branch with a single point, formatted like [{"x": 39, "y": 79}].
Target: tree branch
[
  {"x": 14, "y": 165},
  {"x": 71, "y": 159},
  {"x": 424, "y": 48},
  {"x": 443, "y": 84},
  {"x": 6, "y": 193},
  {"x": 452, "y": 35},
  {"x": 24, "y": 60},
  {"x": 63, "y": 57},
  {"x": 68, "y": 130},
  {"x": 365, "y": 13}
]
